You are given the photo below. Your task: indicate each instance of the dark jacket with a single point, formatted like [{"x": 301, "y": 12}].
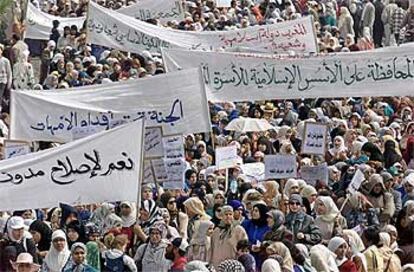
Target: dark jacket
[
  {"x": 303, "y": 223},
  {"x": 9, "y": 250}
]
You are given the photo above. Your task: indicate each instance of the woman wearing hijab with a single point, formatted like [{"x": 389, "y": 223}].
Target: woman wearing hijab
[
  {"x": 16, "y": 241},
  {"x": 42, "y": 236},
  {"x": 391, "y": 155},
  {"x": 178, "y": 219},
  {"x": 76, "y": 233},
  {"x": 58, "y": 254},
  {"x": 323, "y": 260},
  {"x": 374, "y": 258},
  {"x": 340, "y": 247},
  {"x": 78, "y": 263},
  {"x": 309, "y": 195},
  {"x": 225, "y": 238},
  {"x": 105, "y": 218},
  {"x": 280, "y": 250},
  {"x": 291, "y": 187},
  {"x": 195, "y": 211},
  {"x": 271, "y": 194},
  {"x": 278, "y": 231},
  {"x": 328, "y": 218},
  {"x": 149, "y": 216},
  {"x": 392, "y": 262},
  {"x": 338, "y": 152},
  {"x": 200, "y": 243},
  {"x": 93, "y": 255},
  {"x": 300, "y": 224},
  {"x": 128, "y": 215},
  {"x": 373, "y": 152}
]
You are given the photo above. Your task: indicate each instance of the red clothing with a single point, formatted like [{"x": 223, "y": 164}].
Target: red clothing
[
  {"x": 179, "y": 264},
  {"x": 348, "y": 266},
  {"x": 129, "y": 232}
]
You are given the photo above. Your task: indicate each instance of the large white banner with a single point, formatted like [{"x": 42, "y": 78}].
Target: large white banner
[
  {"x": 163, "y": 10},
  {"x": 238, "y": 77},
  {"x": 176, "y": 102},
  {"x": 39, "y": 24},
  {"x": 102, "y": 167},
  {"x": 112, "y": 29}
]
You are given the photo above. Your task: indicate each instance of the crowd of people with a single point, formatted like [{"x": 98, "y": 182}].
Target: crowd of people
[{"x": 248, "y": 224}]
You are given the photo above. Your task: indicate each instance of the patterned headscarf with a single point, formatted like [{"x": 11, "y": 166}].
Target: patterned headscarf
[{"x": 230, "y": 266}]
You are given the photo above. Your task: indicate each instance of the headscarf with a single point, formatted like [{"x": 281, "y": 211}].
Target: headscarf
[
  {"x": 105, "y": 219},
  {"x": 308, "y": 190},
  {"x": 280, "y": 249},
  {"x": 55, "y": 260},
  {"x": 262, "y": 221},
  {"x": 342, "y": 148},
  {"x": 67, "y": 210},
  {"x": 151, "y": 207},
  {"x": 195, "y": 205},
  {"x": 391, "y": 155},
  {"x": 128, "y": 221},
  {"x": 230, "y": 266},
  {"x": 45, "y": 234},
  {"x": 76, "y": 245},
  {"x": 226, "y": 230},
  {"x": 333, "y": 245},
  {"x": 12, "y": 221},
  {"x": 323, "y": 259},
  {"x": 375, "y": 152},
  {"x": 271, "y": 265},
  {"x": 289, "y": 184},
  {"x": 331, "y": 209},
  {"x": 278, "y": 219},
  {"x": 355, "y": 241},
  {"x": 200, "y": 236},
  {"x": 93, "y": 255}
]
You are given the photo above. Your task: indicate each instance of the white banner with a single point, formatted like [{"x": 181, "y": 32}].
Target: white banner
[
  {"x": 39, "y": 24},
  {"x": 236, "y": 77},
  {"x": 113, "y": 29},
  {"x": 102, "y": 167},
  {"x": 176, "y": 102},
  {"x": 163, "y": 10},
  {"x": 280, "y": 166},
  {"x": 15, "y": 148}
]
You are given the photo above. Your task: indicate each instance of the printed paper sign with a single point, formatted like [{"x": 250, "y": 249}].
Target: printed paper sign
[
  {"x": 313, "y": 174},
  {"x": 356, "y": 182},
  {"x": 173, "y": 147},
  {"x": 15, "y": 148},
  {"x": 148, "y": 174},
  {"x": 153, "y": 142},
  {"x": 175, "y": 172},
  {"x": 255, "y": 170},
  {"x": 280, "y": 166},
  {"x": 160, "y": 172},
  {"x": 226, "y": 157},
  {"x": 314, "y": 139},
  {"x": 223, "y": 3}
]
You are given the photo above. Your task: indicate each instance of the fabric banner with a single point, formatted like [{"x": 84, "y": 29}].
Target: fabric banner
[
  {"x": 113, "y": 29},
  {"x": 99, "y": 168},
  {"x": 39, "y": 24},
  {"x": 237, "y": 77},
  {"x": 176, "y": 102},
  {"x": 163, "y": 10}
]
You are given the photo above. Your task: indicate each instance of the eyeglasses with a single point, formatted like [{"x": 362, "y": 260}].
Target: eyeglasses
[{"x": 294, "y": 203}]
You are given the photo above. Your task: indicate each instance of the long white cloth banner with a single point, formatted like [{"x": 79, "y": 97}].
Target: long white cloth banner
[
  {"x": 102, "y": 167},
  {"x": 163, "y": 10},
  {"x": 236, "y": 77},
  {"x": 113, "y": 29},
  {"x": 177, "y": 102},
  {"x": 39, "y": 24}
]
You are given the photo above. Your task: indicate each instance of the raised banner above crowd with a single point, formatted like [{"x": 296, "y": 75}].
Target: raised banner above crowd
[
  {"x": 176, "y": 102},
  {"x": 162, "y": 10},
  {"x": 39, "y": 24},
  {"x": 102, "y": 167},
  {"x": 113, "y": 29},
  {"x": 237, "y": 77}
]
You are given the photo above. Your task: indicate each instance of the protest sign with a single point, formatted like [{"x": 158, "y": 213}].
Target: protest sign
[
  {"x": 175, "y": 171},
  {"x": 173, "y": 147},
  {"x": 314, "y": 139},
  {"x": 103, "y": 167},
  {"x": 162, "y": 10},
  {"x": 113, "y": 29},
  {"x": 176, "y": 102},
  {"x": 153, "y": 142},
  {"x": 223, "y": 3},
  {"x": 160, "y": 172},
  {"x": 39, "y": 24},
  {"x": 247, "y": 77},
  {"x": 255, "y": 170},
  {"x": 226, "y": 157},
  {"x": 356, "y": 182},
  {"x": 280, "y": 166},
  {"x": 148, "y": 173},
  {"x": 313, "y": 174},
  {"x": 14, "y": 148}
]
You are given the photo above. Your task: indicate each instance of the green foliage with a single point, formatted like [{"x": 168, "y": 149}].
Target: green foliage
[{"x": 4, "y": 4}]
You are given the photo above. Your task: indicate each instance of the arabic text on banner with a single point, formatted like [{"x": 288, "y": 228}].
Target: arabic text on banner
[
  {"x": 102, "y": 167},
  {"x": 162, "y": 10},
  {"x": 237, "y": 77},
  {"x": 113, "y": 29},
  {"x": 163, "y": 101}
]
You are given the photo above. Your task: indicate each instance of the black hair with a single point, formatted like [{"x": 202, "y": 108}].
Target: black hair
[
  {"x": 243, "y": 244},
  {"x": 372, "y": 234}
]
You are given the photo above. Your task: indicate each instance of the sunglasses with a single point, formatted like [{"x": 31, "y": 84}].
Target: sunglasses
[{"x": 294, "y": 203}]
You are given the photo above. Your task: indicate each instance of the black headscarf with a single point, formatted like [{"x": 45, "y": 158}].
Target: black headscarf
[
  {"x": 262, "y": 221},
  {"x": 390, "y": 154},
  {"x": 374, "y": 151},
  {"x": 45, "y": 233},
  {"x": 80, "y": 229}
]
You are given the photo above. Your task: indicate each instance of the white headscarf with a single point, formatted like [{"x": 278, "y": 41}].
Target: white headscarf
[
  {"x": 331, "y": 209},
  {"x": 335, "y": 150},
  {"x": 56, "y": 260},
  {"x": 323, "y": 259},
  {"x": 271, "y": 265},
  {"x": 129, "y": 220}
]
